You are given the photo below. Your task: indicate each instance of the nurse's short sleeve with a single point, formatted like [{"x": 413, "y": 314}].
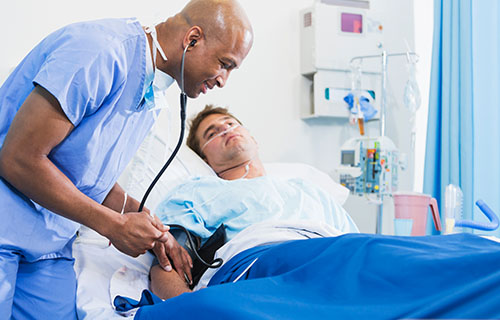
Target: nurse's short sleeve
[{"x": 81, "y": 78}]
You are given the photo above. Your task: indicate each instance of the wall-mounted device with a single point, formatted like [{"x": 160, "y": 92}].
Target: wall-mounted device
[
  {"x": 332, "y": 32},
  {"x": 323, "y": 94}
]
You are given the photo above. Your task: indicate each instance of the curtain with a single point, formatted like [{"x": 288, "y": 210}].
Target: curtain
[{"x": 463, "y": 138}]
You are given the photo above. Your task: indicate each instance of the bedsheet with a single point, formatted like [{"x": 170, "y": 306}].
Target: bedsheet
[
  {"x": 97, "y": 265},
  {"x": 353, "y": 276}
]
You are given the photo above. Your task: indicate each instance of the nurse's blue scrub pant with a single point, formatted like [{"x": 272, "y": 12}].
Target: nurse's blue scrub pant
[{"x": 44, "y": 289}]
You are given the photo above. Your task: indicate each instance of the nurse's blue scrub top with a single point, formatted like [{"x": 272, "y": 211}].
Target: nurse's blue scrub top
[{"x": 97, "y": 72}]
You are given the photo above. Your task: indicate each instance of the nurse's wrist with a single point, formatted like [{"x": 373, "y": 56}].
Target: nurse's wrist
[
  {"x": 132, "y": 205},
  {"x": 110, "y": 222}
]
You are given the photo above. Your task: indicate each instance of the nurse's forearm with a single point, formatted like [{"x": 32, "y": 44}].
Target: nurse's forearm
[{"x": 115, "y": 200}]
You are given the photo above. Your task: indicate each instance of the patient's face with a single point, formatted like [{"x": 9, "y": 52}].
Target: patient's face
[{"x": 228, "y": 149}]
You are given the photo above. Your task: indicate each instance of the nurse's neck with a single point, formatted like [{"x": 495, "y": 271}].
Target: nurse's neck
[{"x": 170, "y": 34}]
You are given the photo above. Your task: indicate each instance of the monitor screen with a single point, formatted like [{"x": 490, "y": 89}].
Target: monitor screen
[
  {"x": 347, "y": 157},
  {"x": 351, "y": 22}
]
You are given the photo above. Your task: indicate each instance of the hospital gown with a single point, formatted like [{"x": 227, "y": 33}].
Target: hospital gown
[
  {"x": 204, "y": 203},
  {"x": 98, "y": 73}
]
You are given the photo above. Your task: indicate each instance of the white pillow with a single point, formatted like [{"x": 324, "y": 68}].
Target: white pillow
[
  {"x": 310, "y": 174},
  {"x": 148, "y": 162}
]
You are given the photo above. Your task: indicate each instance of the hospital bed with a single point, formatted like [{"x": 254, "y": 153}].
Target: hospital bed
[
  {"x": 350, "y": 276},
  {"x": 103, "y": 272}
]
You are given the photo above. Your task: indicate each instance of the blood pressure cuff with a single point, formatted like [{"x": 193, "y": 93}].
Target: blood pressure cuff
[{"x": 205, "y": 251}]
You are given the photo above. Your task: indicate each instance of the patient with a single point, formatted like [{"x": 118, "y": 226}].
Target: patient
[
  {"x": 241, "y": 195},
  {"x": 328, "y": 270}
]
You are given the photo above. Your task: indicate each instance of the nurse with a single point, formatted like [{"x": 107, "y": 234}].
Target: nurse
[{"x": 72, "y": 114}]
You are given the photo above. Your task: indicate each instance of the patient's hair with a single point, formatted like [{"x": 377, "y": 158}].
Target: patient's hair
[{"x": 192, "y": 140}]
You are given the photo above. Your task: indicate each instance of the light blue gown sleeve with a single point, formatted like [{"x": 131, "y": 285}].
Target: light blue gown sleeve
[{"x": 81, "y": 73}]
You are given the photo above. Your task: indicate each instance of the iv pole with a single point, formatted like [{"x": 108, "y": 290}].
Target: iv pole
[{"x": 383, "y": 101}]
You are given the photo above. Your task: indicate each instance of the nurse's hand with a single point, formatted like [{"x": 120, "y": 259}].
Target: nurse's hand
[
  {"x": 137, "y": 232},
  {"x": 179, "y": 256}
]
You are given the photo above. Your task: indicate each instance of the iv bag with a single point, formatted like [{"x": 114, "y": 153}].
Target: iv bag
[
  {"x": 412, "y": 99},
  {"x": 356, "y": 73}
]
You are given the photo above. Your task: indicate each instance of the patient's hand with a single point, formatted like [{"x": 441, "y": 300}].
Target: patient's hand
[
  {"x": 165, "y": 284},
  {"x": 173, "y": 250}
]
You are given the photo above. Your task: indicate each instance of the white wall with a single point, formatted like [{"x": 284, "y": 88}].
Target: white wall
[
  {"x": 424, "y": 28},
  {"x": 264, "y": 93}
]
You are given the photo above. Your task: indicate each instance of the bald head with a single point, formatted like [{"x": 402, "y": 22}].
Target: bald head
[
  {"x": 224, "y": 20},
  {"x": 214, "y": 36}
]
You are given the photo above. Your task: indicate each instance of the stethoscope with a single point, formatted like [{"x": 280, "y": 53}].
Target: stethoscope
[{"x": 216, "y": 263}]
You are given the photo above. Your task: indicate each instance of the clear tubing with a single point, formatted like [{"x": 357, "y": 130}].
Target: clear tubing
[
  {"x": 247, "y": 170},
  {"x": 384, "y": 93},
  {"x": 220, "y": 134}
]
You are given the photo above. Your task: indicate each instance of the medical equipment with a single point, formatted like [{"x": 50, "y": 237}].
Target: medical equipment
[
  {"x": 369, "y": 166},
  {"x": 384, "y": 186},
  {"x": 331, "y": 32},
  {"x": 453, "y": 199},
  {"x": 453, "y": 210},
  {"x": 183, "y": 101},
  {"x": 412, "y": 99},
  {"x": 361, "y": 109},
  {"x": 353, "y": 99},
  {"x": 384, "y": 56},
  {"x": 325, "y": 92}
]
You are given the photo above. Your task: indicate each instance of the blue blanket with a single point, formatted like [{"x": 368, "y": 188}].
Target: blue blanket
[{"x": 355, "y": 276}]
